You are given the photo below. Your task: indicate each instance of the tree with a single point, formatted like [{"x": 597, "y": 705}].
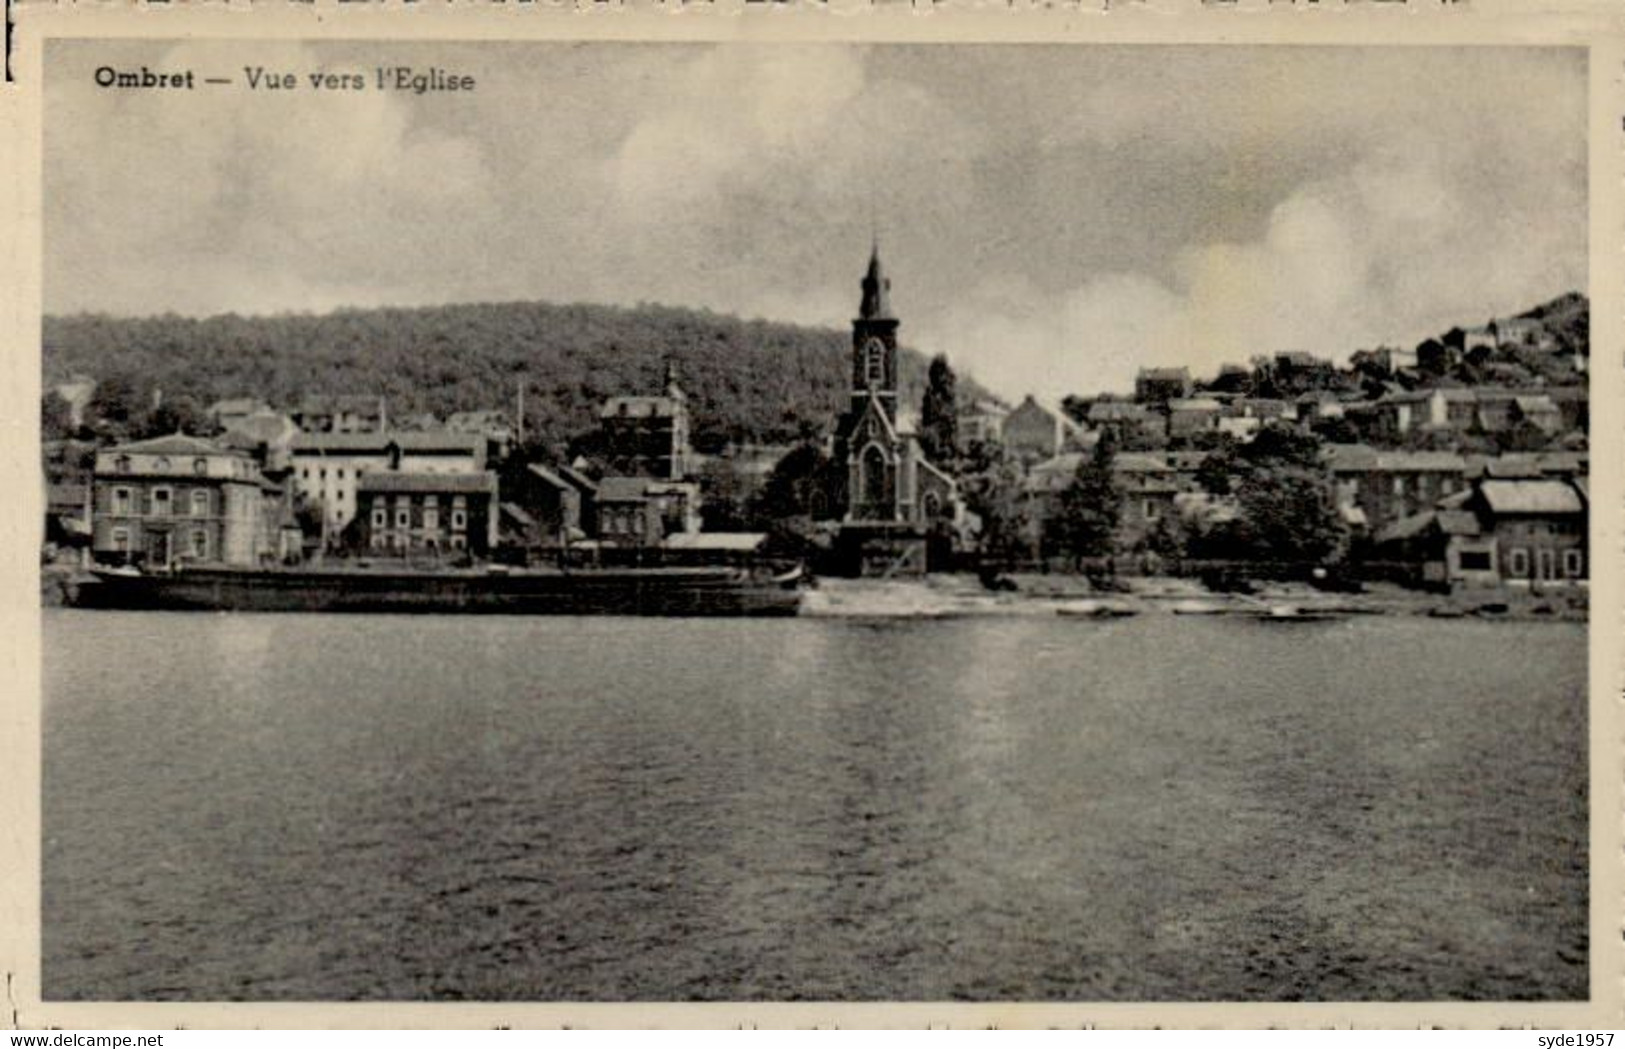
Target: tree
[
  {"x": 117, "y": 402},
  {"x": 56, "y": 417},
  {"x": 991, "y": 486},
  {"x": 1283, "y": 496},
  {"x": 939, "y": 413},
  {"x": 1084, "y": 523},
  {"x": 175, "y": 415},
  {"x": 723, "y": 509}
]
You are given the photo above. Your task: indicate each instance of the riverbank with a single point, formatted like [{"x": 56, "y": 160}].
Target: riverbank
[{"x": 957, "y": 595}]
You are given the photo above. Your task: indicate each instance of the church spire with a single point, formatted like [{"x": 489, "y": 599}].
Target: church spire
[{"x": 876, "y": 289}]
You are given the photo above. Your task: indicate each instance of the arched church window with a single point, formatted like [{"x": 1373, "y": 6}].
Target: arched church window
[
  {"x": 874, "y": 477},
  {"x": 874, "y": 363}
]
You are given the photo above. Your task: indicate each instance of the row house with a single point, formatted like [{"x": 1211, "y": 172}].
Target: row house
[
  {"x": 428, "y": 513},
  {"x": 327, "y": 467},
  {"x": 176, "y": 499},
  {"x": 1380, "y": 487}
]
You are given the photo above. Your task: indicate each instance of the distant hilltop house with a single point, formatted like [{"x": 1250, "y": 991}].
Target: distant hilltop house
[
  {"x": 341, "y": 413},
  {"x": 174, "y": 499},
  {"x": 982, "y": 423},
  {"x": 1158, "y": 386},
  {"x": 895, "y": 500}
]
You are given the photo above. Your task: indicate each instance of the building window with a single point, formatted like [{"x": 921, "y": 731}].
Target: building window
[
  {"x": 162, "y": 500},
  {"x": 161, "y": 465},
  {"x": 459, "y": 520},
  {"x": 431, "y": 500},
  {"x": 380, "y": 517},
  {"x": 1399, "y": 486},
  {"x": 874, "y": 363},
  {"x": 200, "y": 503},
  {"x": 1573, "y": 563},
  {"x": 403, "y": 517},
  {"x": 339, "y": 473},
  {"x": 121, "y": 502},
  {"x": 1475, "y": 561},
  {"x": 431, "y": 518},
  {"x": 1518, "y": 563},
  {"x": 121, "y": 540},
  {"x": 200, "y": 544},
  {"x": 200, "y": 466},
  {"x": 1150, "y": 509},
  {"x": 122, "y": 464}
]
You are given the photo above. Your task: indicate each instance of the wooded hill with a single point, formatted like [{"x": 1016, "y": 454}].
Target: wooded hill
[{"x": 754, "y": 381}]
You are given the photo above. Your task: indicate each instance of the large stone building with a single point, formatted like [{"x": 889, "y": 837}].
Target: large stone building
[
  {"x": 175, "y": 499},
  {"x": 649, "y": 436},
  {"x": 892, "y": 497},
  {"x": 327, "y": 467}
]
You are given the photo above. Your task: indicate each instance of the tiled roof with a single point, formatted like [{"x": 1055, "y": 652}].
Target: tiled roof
[
  {"x": 638, "y": 407},
  {"x": 411, "y": 481},
  {"x": 1194, "y": 404},
  {"x": 623, "y": 489},
  {"x": 407, "y": 440},
  {"x": 173, "y": 444},
  {"x": 1531, "y": 497}
]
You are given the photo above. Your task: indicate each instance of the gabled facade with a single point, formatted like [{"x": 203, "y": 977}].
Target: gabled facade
[
  {"x": 891, "y": 495},
  {"x": 177, "y": 499}
]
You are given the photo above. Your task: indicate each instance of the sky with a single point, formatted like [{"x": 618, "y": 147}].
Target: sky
[{"x": 1053, "y": 217}]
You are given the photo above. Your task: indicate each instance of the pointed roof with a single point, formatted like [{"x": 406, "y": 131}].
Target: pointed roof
[
  {"x": 876, "y": 303},
  {"x": 176, "y": 443}
]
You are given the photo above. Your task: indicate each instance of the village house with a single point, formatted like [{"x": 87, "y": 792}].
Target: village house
[
  {"x": 1525, "y": 533},
  {"x": 341, "y": 413},
  {"x": 327, "y": 467},
  {"x": 648, "y": 436},
  {"x": 488, "y": 423},
  {"x": 1033, "y": 432},
  {"x": 1189, "y": 416},
  {"x": 643, "y": 512},
  {"x": 557, "y": 505},
  {"x": 427, "y": 513},
  {"x": 1379, "y": 487},
  {"x": 175, "y": 499},
  {"x": 983, "y": 423},
  {"x": 1158, "y": 386},
  {"x": 1128, "y": 422},
  {"x": 230, "y": 412},
  {"x": 265, "y": 434}
]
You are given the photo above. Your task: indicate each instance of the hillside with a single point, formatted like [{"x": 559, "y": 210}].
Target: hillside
[{"x": 747, "y": 380}]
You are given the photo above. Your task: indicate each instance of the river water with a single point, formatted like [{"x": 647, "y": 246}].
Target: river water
[{"x": 361, "y": 807}]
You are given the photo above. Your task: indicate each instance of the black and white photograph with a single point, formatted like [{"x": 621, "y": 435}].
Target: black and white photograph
[{"x": 760, "y": 521}]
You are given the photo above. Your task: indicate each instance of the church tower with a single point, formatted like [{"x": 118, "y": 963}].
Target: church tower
[{"x": 874, "y": 343}]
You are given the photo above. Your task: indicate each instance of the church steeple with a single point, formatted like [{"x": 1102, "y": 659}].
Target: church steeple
[{"x": 876, "y": 303}]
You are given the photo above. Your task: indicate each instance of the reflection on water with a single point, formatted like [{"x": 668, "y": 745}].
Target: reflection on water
[{"x": 299, "y": 807}]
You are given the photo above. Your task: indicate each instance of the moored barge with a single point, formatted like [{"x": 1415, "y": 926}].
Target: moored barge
[{"x": 608, "y": 591}]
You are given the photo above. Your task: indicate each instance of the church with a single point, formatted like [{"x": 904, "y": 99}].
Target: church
[{"x": 897, "y": 508}]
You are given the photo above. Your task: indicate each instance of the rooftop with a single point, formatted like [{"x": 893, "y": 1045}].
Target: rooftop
[
  {"x": 406, "y": 440},
  {"x": 1533, "y": 496},
  {"x": 409, "y": 481},
  {"x": 631, "y": 406}
]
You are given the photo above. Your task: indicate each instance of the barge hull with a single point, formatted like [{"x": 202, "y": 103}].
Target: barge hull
[{"x": 588, "y": 593}]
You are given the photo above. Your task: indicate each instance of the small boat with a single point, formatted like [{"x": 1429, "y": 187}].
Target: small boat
[
  {"x": 1200, "y": 608},
  {"x": 1297, "y": 614},
  {"x": 1095, "y": 610}
]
